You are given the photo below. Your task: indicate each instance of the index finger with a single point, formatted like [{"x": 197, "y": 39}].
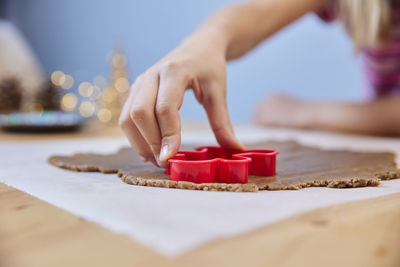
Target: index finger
[{"x": 169, "y": 101}]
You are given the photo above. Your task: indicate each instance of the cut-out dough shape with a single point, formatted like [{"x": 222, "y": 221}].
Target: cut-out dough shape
[{"x": 297, "y": 167}]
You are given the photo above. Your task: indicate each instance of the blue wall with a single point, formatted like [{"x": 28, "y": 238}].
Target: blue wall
[{"x": 310, "y": 59}]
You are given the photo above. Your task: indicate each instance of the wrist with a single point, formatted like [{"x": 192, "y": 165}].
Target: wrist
[{"x": 216, "y": 39}]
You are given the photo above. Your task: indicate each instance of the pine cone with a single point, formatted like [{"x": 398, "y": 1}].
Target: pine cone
[
  {"x": 50, "y": 97},
  {"x": 10, "y": 95}
]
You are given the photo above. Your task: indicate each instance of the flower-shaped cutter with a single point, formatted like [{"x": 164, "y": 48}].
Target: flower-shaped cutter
[{"x": 209, "y": 164}]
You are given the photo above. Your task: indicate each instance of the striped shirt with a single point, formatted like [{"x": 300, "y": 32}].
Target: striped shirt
[{"x": 381, "y": 65}]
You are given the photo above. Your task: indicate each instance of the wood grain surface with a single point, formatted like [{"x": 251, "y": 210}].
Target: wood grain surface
[{"x": 35, "y": 233}]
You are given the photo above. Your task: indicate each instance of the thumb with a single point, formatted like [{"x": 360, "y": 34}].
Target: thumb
[{"x": 217, "y": 112}]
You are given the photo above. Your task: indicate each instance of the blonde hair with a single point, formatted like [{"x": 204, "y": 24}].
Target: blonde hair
[{"x": 367, "y": 21}]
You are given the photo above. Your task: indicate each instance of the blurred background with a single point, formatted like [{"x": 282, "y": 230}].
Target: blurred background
[{"x": 87, "y": 41}]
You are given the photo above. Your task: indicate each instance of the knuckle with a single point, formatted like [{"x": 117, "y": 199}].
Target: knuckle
[
  {"x": 163, "y": 109},
  {"x": 179, "y": 69},
  {"x": 172, "y": 64},
  {"x": 139, "y": 114},
  {"x": 171, "y": 67}
]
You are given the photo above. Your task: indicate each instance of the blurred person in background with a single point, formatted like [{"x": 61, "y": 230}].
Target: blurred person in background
[{"x": 150, "y": 117}]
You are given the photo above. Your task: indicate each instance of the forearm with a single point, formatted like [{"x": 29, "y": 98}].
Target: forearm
[
  {"x": 381, "y": 117},
  {"x": 238, "y": 28}
]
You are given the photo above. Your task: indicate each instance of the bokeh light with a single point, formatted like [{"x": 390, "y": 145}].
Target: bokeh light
[
  {"x": 109, "y": 95},
  {"x": 58, "y": 77},
  {"x": 68, "y": 82},
  {"x": 36, "y": 107},
  {"x": 104, "y": 115},
  {"x": 100, "y": 81},
  {"x": 86, "y": 109},
  {"x": 85, "y": 89},
  {"x": 122, "y": 84},
  {"x": 118, "y": 73},
  {"x": 69, "y": 102},
  {"x": 97, "y": 93},
  {"x": 119, "y": 60}
]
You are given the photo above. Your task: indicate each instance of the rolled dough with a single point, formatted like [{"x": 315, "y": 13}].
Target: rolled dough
[{"x": 297, "y": 167}]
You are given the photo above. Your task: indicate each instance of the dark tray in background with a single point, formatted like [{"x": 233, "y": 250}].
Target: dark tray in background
[{"x": 48, "y": 121}]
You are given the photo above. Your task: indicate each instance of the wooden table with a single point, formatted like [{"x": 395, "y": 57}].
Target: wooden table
[{"x": 35, "y": 233}]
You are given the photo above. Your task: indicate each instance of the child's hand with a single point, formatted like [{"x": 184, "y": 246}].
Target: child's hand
[
  {"x": 283, "y": 110},
  {"x": 378, "y": 117},
  {"x": 150, "y": 117}
]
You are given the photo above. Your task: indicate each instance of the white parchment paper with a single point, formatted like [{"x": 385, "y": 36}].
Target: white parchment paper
[{"x": 173, "y": 221}]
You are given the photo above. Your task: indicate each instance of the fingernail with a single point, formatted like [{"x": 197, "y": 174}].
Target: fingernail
[
  {"x": 157, "y": 157},
  {"x": 238, "y": 143},
  {"x": 143, "y": 159},
  {"x": 242, "y": 146},
  {"x": 164, "y": 153}
]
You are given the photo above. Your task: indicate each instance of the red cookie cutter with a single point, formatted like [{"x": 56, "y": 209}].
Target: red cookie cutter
[{"x": 210, "y": 164}]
